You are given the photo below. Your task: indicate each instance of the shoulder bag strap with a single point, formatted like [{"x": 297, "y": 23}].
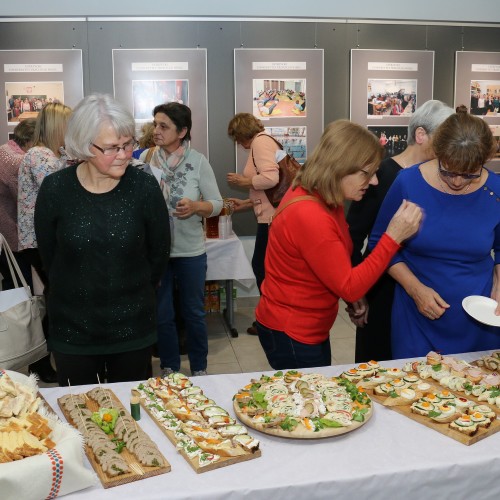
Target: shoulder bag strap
[
  {"x": 263, "y": 134},
  {"x": 295, "y": 200},
  {"x": 13, "y": 265}
]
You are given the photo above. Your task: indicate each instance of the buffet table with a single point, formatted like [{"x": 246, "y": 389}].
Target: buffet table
[
  {"x": 227, "y": 261},
  {"x": 389, "y": 457}
]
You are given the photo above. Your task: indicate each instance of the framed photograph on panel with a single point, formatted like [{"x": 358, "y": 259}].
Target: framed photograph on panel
[
  {"x": 144, "y": 78},
  {"x": 284, "y": 89},
  {"x": 477, "y": 86},
  {"x": 388, "y": 85},
  {"x": 30, "y": 79}
]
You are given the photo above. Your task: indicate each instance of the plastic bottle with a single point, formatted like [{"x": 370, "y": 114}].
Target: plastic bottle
[{"x": 223, "y": 234}]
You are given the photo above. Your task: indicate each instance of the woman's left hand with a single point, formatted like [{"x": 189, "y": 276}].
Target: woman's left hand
[
  {"x": 358, "y": 312},
  {"x": 185, "y": 208},
  {"x": 239, "y": 180}
]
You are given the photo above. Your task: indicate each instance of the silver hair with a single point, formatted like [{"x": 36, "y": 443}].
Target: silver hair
[
  {"x": 428, "y": 116},
  {"x": 87, "y": 119}
]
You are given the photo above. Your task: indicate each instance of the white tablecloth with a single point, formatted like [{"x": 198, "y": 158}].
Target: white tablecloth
[
  {"x": 226, "y": 260},
  {"x": 391, "y": 457}
]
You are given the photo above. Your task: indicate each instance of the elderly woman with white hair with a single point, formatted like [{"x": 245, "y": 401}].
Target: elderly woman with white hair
[{"x": 104, "y": 239}]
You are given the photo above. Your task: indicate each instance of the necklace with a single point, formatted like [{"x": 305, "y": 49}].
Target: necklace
[{"x": 448, "y": 192}]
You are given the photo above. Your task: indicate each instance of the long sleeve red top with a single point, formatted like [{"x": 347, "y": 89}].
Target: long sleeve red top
[{"x": 308, "y": 268}]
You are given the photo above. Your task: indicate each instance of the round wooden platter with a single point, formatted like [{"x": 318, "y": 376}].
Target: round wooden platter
[{"x": 300, "y": 432}]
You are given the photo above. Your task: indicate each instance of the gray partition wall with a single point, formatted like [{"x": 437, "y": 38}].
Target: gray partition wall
[{"x": 97, "y": 39}]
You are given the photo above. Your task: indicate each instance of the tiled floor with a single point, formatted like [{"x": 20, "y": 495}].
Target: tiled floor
[{"x": 244, "y": 353}]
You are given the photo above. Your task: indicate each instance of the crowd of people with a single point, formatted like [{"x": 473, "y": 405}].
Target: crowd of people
[
  {"x": 392, "y": 103},
  {"x": 119, "y": 243},
  {"x": 482, "y": 104},
  {"x": 21, "y": 104}
]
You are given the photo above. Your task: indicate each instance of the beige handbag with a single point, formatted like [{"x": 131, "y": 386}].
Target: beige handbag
[{"x": 22, "y": 341}]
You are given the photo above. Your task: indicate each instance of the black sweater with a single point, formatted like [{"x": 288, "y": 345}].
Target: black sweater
[{"x": 104, "y": 254}]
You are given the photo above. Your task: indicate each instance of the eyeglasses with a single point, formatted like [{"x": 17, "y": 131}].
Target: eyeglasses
[
  {"x": 452, "y": 175},
  {"x": 113, "y": 151}
]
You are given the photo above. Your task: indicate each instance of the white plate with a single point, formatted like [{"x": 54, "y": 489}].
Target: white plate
[{"x": 482, "y": 309}]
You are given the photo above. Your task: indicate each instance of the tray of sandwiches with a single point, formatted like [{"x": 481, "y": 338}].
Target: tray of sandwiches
[
  {"x": 118, "y": 449},
  {"x": 444, "y": 393},
  {"x": 300, "y": 405},
  {"x": 204, "y": 433}
]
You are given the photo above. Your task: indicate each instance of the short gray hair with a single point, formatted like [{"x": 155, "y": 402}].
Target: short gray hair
[
  {"x": 428, "y": 116},
  {"x": 87, "y": 119}
]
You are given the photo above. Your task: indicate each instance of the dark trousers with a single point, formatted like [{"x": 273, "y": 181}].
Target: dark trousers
[
  {"x": 259, "y": 253},
  {"x": 285, "y": 353},
  {"x": 74, "y": 369},
  {"x": 373, "y": 341}
]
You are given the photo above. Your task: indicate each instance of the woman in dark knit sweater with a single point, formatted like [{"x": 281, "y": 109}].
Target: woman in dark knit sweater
[{"x": 104, "y": 244}]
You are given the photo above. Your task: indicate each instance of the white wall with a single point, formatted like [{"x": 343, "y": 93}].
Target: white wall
[{"x": 481, "y": 11}]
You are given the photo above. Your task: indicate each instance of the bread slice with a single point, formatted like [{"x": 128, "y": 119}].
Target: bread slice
[
  {"x": 469, "y": 430},
  {"x": 405, "y": 397}
]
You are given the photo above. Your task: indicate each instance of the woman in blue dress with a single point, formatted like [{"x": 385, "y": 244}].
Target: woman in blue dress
[{"x": 451, "y": 256}]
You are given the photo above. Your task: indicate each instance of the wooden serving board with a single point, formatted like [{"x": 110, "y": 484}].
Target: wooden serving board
[
  {"x": 193, "y": 462},
  {"x": 139, "y": 471},
  {"x": 300, "y": 432},
  {"x": 443, "y": 428}
]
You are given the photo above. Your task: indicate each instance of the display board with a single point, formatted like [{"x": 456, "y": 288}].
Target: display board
[
  {"x": 477, "y": 86},
  {"x": 284, "y": 89},
  {"x": 387, "y": 86},
  {"x": 144, "y": 78},
  {"x": 32, "y": 78}
]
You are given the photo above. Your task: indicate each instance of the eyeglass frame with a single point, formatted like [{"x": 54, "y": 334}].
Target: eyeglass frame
[
  {"x": 132, "y": 143},
  {"x": 453, "y": 175}
]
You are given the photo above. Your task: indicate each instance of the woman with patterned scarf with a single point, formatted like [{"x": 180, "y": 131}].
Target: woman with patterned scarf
[{"x": 190, "y": 190}]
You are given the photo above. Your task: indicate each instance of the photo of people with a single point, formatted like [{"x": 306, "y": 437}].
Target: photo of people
[
  {"x": 484, "y": 97},
  {"x": 148, "y": 93},
  {"x": 392, "y": 138},
  {"x": 279, "y": 98},
  {"x": 495, "y": 130},
  {"x": 293, "y": 140},
  {"x": 391, "y": 97},
  {"x": 26, "y": 99}
]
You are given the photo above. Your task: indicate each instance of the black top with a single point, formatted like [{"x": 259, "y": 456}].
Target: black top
[
  {"x": 104, "y": 255},
  {"x": 362, "y": 214}
]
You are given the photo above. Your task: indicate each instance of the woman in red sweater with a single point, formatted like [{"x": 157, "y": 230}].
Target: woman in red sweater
[{"x": 308, "y": 258}]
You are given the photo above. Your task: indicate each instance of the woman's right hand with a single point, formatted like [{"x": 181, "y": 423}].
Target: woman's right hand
[
  {"x": 405, "y": 222},
  {"x": 239, "y": 204}
]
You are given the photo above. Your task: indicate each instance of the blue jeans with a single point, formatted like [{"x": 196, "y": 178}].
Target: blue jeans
[
  {"x": 189, "y": 274},
  {"x": 284, "y": 353}
]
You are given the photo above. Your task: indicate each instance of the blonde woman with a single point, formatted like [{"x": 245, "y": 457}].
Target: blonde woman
[{"x": 41, "y": 160}]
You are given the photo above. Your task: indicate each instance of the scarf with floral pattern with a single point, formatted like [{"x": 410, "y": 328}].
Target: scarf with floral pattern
[{"x": 167, "y": 163}]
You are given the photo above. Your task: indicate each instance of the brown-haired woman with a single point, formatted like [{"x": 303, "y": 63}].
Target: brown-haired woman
[
  {"x": 308, "y": 262},
  {"x": 261, "y": 172},
  {"x": 451, "y": 257}
]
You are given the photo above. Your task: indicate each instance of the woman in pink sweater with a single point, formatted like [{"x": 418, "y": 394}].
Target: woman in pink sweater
[
  {"x": 308, "y": 258},
  {"x": 261, "y": 172}
]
